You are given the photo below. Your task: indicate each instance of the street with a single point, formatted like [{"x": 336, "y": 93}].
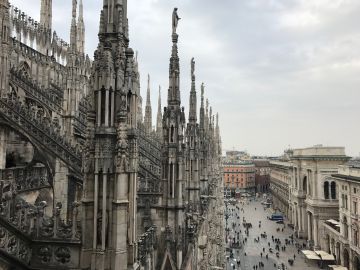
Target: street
[{"x": 253, "y": 252}]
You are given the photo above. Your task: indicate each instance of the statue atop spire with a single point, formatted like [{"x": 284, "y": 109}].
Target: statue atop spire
[
  {"x": 202, "y": 93},
  {"x": 192, "y": 69},
  {"x": 175, "y": 20},
  {"x": 174, "y": 67},
  {"x": 74, "y": 5}
]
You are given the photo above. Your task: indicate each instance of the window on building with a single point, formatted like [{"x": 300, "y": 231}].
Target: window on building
[
  {"x": 355, "y": 208},
  {"x": 326, "y": 190},
  {"x": 342, "y": 200},
  {"x": 354, "y": 190},
  {"x": 304, "y": 184},
  {"x": 355, "y": 235},
  {"x": 346, "y": 202},
  {"x": 345, "y": 228},
  {"x": 333, "y": 190}
]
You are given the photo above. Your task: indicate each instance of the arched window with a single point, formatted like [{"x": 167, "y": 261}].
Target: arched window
[
  {"x": 172, "y": 134},
  {"x": 333, "y": 190},
  {"x": 326, "y": 190}
]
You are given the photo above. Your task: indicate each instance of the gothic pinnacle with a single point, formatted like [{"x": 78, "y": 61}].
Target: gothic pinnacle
[
  {"x": 148, "y": 110},
  {"x": 192, "y": 109}
]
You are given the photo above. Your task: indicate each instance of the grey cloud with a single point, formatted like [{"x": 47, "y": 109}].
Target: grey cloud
[{"x": 280, "y": 72}]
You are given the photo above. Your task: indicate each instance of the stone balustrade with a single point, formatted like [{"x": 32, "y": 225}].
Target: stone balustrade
[
  {"x": 41, "y": 129},
  {"x": 46, "y": 97},
  {"x": 26, "y": 179}
]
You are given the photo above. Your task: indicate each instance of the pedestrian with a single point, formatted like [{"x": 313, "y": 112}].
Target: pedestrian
[{"x": 261, "y": 254}]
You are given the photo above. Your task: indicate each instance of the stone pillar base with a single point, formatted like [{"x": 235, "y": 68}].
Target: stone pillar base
[{"x": 301, "y": 235}]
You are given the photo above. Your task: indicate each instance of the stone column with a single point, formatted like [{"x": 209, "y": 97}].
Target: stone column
[
  {"x": 120, "y": 222},
  {"x": 3, "y": 142},
  {"x": 112, "y": 108},
  {"x": 106, "y": 108},
  {"x": 99, "y": 108},
  {"x": 304, "y": 223},
  {"x": 341, "y": 251},
  {"x": 309, "y": 226},
  {"x": 300, "y": 221},
  {"x": 96, "y": 201},
  {"x": 61, "y": 183},
  {"x": 316, "y": 232},
  {"x": 104, "y": 218}
]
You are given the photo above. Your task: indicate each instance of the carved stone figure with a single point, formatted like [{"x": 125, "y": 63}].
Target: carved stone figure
[{"x": 175, "y": 20}]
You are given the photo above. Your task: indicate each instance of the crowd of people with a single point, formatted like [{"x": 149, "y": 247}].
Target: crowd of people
[{"x": 272, "y": 249}]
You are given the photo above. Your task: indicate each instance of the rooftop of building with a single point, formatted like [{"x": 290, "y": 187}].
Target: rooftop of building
[
  {"x": 261, "y": 162},
  {"x": 238, "y": 163},
  {"x": 320, "y": 151},
  {"x": 350, "y": 171},
  {"x": 281, "y": 163}
]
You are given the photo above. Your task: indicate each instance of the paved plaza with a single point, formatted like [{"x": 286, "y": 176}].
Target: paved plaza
[{"x": 254, "y": 249}]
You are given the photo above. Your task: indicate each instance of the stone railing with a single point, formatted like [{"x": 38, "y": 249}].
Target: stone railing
[
  {"x": 149, "y": 154},
  {"x": 80, "y": 118},
  {"x": 31, "y": 221},
  {"x": 42, "y": 130},
  {"x": 31, "y": 53},
  {"x": 30, "y": 238},
  {"x": 26, "y": 179},
  {"x": 44, "y": 96}
]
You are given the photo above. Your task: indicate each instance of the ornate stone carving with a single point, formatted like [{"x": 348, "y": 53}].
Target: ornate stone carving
[
  {"x": 44, "y": 254},
  {"x": 62, "y": 255}
]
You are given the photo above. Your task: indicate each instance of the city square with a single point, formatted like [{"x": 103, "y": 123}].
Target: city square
[{"x": 257, "y": 251}]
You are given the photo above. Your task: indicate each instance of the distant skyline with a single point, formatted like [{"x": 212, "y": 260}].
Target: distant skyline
[{"x": 280, "y": 73}]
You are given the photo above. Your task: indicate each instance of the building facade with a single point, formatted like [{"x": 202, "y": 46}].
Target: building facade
[
  {"x": 239, "y": 177},
  {"x": 341, "y": 233},
  {"x": 313, "y": 195},
  {"x": 85, "y": 182},
  {"x": 262, "y": 175},
  {"x": 280, "y": 178}
]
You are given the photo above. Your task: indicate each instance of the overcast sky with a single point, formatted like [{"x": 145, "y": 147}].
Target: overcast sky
[{"x": 279, "y": 72}]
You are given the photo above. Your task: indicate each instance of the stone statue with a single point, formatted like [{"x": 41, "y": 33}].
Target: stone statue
[
  {"x": 175, "y": 20},
  {"x": 192, "y": 68}
]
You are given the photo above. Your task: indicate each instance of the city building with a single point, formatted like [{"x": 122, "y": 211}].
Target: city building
[
  {"x": 235, "y": 156},
  {"x": 280, "y": 178},
  {"x": 310, "y": 203},
  {"x": 85, "y": 181},
  {"x": 239, "y": 177},
  {"x": 262, "y": 175},
  {"x": 341, "y": 233}
]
